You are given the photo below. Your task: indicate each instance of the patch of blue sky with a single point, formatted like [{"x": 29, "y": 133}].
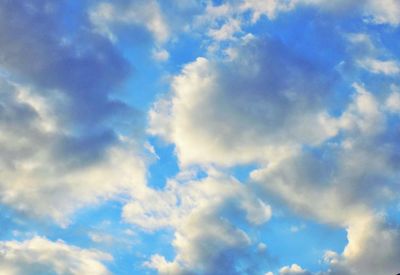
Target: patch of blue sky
[
  {"x": 145, "y": 82},
  {"x": 392, "y": 213},
  {"x": 242, "y": 172},
  {"x": 218, "y": 2},
  {"x": 102, "y": 228},
  {"x": 165, "y": 166},
  {"x": 185, "y": 50},
  {"x": 291, "y": 239},
  {"x": 390, "y": 38},
  {"x": 304, "y": 36},
  {"x": 72, "y": 15},
  {"x": 131, "y": 261},
  {"x": 98, "y": 227},
  {"x": 13, "y": 225}
]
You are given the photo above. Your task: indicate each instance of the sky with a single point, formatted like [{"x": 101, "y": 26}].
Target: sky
[{"x": 190, "y": 137}]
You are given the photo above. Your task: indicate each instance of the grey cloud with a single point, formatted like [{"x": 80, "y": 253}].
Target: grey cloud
[
  {"x": 59, "y": 122},
  {"x": 37, "y": 48}
]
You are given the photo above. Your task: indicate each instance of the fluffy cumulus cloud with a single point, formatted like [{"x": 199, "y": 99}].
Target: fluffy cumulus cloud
[
  {"x": 181, "y": 198},
  {"x": 57, "y": 141},
  {"x": 41, "y": 256},
  {"x": 258, "y": 105},
  {"x": 347, "y": 183},
  {"x": 46, "y": 170},
  {"x": 202, "y": 214},
  {"x": 247, "y": 117},
  {"x": 294, "y": 269},
  {"x": 264, "y": 104}
]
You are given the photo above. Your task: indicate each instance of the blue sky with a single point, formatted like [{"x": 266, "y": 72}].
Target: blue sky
[{"x": 199, "y": 137}]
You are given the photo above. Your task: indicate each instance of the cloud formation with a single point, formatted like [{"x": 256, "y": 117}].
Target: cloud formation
[
  {"x": 294, "y": 269},
  {"x": 41, "y": 256},
  {"x": 347, "y": 184},
  {"x": 58, "y": 149},
  {"x": 266, "y": 114},
  {"x": 202, "y": 214},
  {"x": 258, "y": 106}
]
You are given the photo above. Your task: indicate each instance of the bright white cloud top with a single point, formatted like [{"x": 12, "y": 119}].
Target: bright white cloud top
[{"x": 200, "y": 137}]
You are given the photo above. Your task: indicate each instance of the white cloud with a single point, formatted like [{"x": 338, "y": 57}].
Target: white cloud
[
  {"x": 106, "y": 16},
  {"x": 41, "y": 256},
  {"x": 159, "y": 263},
  {"x": 384, "y": 11},
  {"x": 153, "y": 209},
  {"x": 373, "y": 247},
  {"x": 297, "y": 228},
  {"x": 393, "y": 101},
  {"x": 376, "y": 11},
  {"x": 102, "y": 238},
  {"x": 201, "y": 214},
  {"x": 387, "y": 67},
  {"x": 226, "y": 31},
  {"x": 59, "y": 146},
  {"x": 241, "y": 110},
  {"x": 294, "y": 269},
  {"x": 347, "y": 184},
  {"x": 270, "y": 8},
  {"x": 160, "y": 55},
  {"x": 41, "y": 178},
  {"x": 363, "y": 114}
]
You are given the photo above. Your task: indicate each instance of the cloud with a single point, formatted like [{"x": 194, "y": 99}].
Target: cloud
[
  {"x": 163, "y": 21},
  {"x": 384, "y": 12},
  {"x": 108, "y": 17},
  {"x": 372, "y": 248},
  {"x": 85, "y": 73},
  {"x": 160, "y": 55},
  {"x": 348, "y": 183},
  {"x": 66, "y": 141},
  {"x": 264, "y": 104},
  {"x": 181, "y": 197},
  {"x": 220, "y": 22},
  {"x": 393, "y": 101},
  {"x": 375, "y": 11},
  {"x": 368, "y": 55},
  {"x": 270, "y": 8},
  {"x": 294, "y": 269},
  {"x": 387, "y": 67},
  {"x": 48, "y": 171},
  {"x": 226, "y": 32},
  {"x": 257, "y": 106},
  {"x": 60, "y": 145},
  {"x": 41, "y": 256},
  {"x": 202, "y": 214}
]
